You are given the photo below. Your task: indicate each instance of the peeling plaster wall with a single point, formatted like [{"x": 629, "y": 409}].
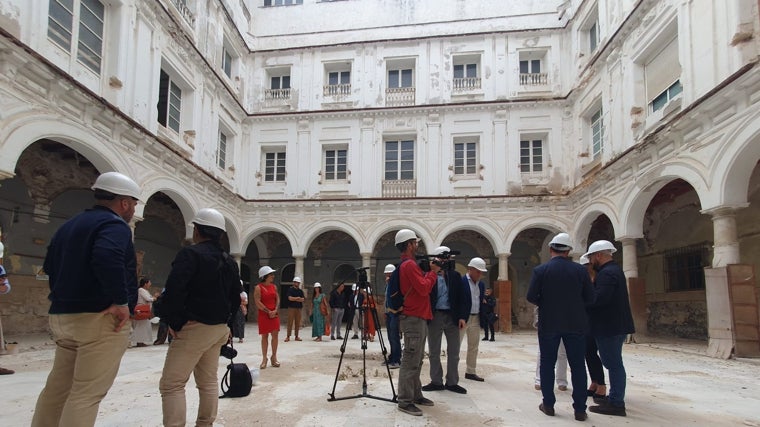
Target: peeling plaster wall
[{"x": 684, "y": 319}]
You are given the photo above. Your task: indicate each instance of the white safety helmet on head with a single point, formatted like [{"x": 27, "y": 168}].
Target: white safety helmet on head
[
  {"x": 118, "y": 184},
  {"x": 478, "y": 264},
  {"x": 265, "y": 270},
  {"x": 390, "y": 268},
  {"x": 317, "y": 285},
  {"x": 353, "y": 287},
  {"x": 561, "y": 242},
  {"x": 600, "y": 245},
  {"x": 210, "y": 218},
  {"x": 440, "y": 250},
  {"x": 405, "y": 235},
  {"x": 583, "y": 260},
  {"x": 297, "y": 279}
]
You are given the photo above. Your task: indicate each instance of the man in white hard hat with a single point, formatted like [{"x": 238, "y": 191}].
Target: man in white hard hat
[
  {"x": 201, "y": 296},
  {"x": 450, "y": 316},
  {"x": 92, "y": 268},
  {"x": 295, "y": 306},
  {"x": 561, "y": 289},
  {"x": 415, "y": 285},
  {"x": 611, "y": 322},
  {"x": 475, "y": 291},
  {"x": 392, "y": 323}
]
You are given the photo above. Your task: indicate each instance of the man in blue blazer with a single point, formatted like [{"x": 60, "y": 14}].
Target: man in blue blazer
[{"x": 475, "y": 292}]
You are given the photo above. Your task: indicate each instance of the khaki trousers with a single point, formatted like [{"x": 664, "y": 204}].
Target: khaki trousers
[
  {"x": 294, "y": 319},
  {"x": 194, "y": 350},
  {"x": 472, "y": 330},
  {"x": 87, "y": 357}
]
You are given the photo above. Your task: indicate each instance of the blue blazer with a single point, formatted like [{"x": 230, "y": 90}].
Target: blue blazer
[
  {"x": 561, "y": 289},
  {"x": 468, "y": 300}
]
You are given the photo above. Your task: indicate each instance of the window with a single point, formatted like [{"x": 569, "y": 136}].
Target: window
[
  {"x": 531, "y": 66},
  {"x": 281, "y": 2},
  {"x": 684, "y": 268},
  {"x": 466, "y": 72},
  {"x": 531, "y": 155},
  {"x": 87, "y": 36},
  {"x": 279, "y": 86},
  {"x": 662, "y": 99},
  {"x": 400, "y": 78},
  {"x": 338, "y": 82},
  {"x": 280, "y": 82},
  {"x": 335, "y": 164},
  {"x": 465, "y": 156},
  {"x": 663, "y": 74},
  {"x": 227, "y": 62},
  {"x": 274, "y": 166},
  {"x": 399, "y": 160},
  {"x": 221, "y": 151},
  {"x": 169, "y": 102},
  {"x": 597, "y": 133},
  {"x": 593, "y": 36}
]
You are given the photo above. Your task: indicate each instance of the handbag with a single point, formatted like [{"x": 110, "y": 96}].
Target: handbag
[
  {"x": 237, "y": 381},
  {"x": 142, "y": 312}
]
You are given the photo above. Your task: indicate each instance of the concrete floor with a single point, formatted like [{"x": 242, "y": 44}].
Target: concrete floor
[{"x": 669, "y": 384}]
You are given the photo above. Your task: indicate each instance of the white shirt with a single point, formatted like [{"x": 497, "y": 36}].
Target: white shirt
[{"x": 475, "y": 295}]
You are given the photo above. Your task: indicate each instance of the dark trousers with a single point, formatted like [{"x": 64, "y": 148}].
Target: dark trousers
[
  {"x": 394, "y": 337},
  {"x": 163, "y": 333},
  {"x": 487, "y": 323},
  {"x": 593, "y": 362},
  {"x": 611, "y": 353},
  {"x": 575, "y": 345}
]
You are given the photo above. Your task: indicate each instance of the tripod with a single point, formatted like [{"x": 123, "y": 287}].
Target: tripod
[{"x": 368, "y": 306}]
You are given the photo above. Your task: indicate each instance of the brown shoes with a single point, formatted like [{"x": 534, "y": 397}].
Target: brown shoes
[{"x": 4, "y": 371}]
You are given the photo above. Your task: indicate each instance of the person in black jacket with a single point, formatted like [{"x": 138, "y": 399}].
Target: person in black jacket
[
  {"x": 92, "y": 268},
  {"x": 611, "y": 322},
  {"x": 561, "y": 289},
  {"x": 449, "y": 317},
  {"x": 487, "y": 314},
  {"x": 202, "y": 294}
]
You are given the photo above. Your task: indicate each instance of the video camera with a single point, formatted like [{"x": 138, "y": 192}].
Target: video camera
[{"x": 444, "y": 260}]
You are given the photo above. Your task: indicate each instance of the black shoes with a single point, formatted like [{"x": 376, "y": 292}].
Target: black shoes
[
  {"x": 355, "y": 337},
  {"x": 600, "y": 399},
  {"x": 410, "y": 409},
  {"x": 548, "y": 410},
  {"x": 433, "y": 387},
  {"x": 485, "y": 339},
  {"x": 581, "y": 416},
  {"x": 473, "y": 377},
  {"x": 424, "y": 402},
  {"x": 492, "y": 339},
  {"x": 456, "y": 388},
  {"x": 608, "y": 409}
]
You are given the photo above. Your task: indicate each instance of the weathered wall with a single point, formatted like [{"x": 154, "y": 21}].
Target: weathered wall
[
  {"x": 24, "y": 309},
  {"x": 683, "y": 319}
]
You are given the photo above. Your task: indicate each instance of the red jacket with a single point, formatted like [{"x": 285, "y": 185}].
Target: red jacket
[{"x": 416, "y": 287}]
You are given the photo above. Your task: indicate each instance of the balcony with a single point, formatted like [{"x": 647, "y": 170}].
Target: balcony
[
  {"x": 399, "y": 96},
  {"x": 276, "y": 97},
  {"x": 466, "y": 84},
  {"x": 400, "y": 188},
  {"x": 337, "y": 92},
  {"x": 534, "y": 79},
  {"x": 181, "y": 6}
]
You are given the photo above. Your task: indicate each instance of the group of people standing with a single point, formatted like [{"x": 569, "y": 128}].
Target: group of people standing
[{"x": 578, "y": 314}]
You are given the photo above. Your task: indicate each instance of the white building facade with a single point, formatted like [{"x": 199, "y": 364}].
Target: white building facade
[{"x": 320, "y": 128}]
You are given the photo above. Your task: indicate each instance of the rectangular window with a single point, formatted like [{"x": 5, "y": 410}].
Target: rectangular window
[
  {"x": 399, "y": 160},
  {"x": 274, "y": 167},
  {"x": 335, "y": 165},
  {"x": 597, "y": 133},
  {"x": 281, "y": 2},
  {"x": 593, "y": 37},
  {"x": 662, "y": 73},
  {"x": 169, "y": 102},
  {"x": 662, "y": 99},
  {"x": 221, "y": 151},
  {"x": 532, "y": 66},
  {"x": 465, "y": 70},
  {"x": 227, "y": 62},
  {"x": 531, "y": 156},
  {"x": 280, "y": 82},
  {"x": 339, "y": 78},
  {"x": 87, "y": 36},
  {"x": 465, "y": 158},
  {"x": 400, "y": 78},
  {"x": 684, "y": 269}
]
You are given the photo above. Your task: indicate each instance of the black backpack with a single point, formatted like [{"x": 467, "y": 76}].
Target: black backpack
[
  {"x": 395, "y": 297},
  {"x": 237, "y": 381}
]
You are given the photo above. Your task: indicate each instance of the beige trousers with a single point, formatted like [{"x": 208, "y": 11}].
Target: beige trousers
[
  {"x": 472, "y": 330},
  {"x": 87, "y": 357}
]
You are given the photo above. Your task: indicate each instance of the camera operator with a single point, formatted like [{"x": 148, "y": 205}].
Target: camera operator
[
  {"x": 415, "y": 285},
  {"x": 449, "y": 317}
]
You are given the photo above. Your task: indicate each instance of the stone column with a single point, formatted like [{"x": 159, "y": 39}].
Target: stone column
[
  {"x": 630, "y": 260},
  {"x": 725, "y": 241},
  {"x": 504, "y": 266},
  {"x": 366, "y": 259},
  {"x": 238, "y": 259},
  {"x": 299, "y": 267}
]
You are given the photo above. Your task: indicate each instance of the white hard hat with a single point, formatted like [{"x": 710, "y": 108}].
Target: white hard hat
[
  {"x": 389, "y": 268},
  {"x": 478, "y": 264},
  {"x": 441, "y": 250},
  {"x": 600, "y": 245},
  {"x": 583, "y": 260},
  {"x": 317, "y": 285},
  {"x": 405, "y": 235},
  {"x": 353, "y": 287},
  {"x": 118, "y": 184},
  {"x": 265, "y": 270},
  {"x": 561, "y": 242},
  {"x": 211, "y": 218},
  {"x": 297, "y": 279}
]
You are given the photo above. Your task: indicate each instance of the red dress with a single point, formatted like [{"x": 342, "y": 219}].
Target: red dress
[{"x": 269, "y": 299}]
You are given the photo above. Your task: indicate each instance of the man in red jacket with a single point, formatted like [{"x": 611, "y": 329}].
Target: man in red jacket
[{"x": 415, "y": 285}]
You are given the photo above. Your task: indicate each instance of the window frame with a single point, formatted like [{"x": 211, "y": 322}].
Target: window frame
[
  {"x": 278, "y": 173},
  {"x": 221, "y": 149},
  {"x": 672, "y": 92},
  {"x": 173, "y": 93},
  {"x": 278, "y": 3},
  {"x": 75, "y": 40},
  {"x": 597, "y": 119},
  {"x": 469, "y": 160},
  {"x": 531, "y": 164},
  {"x": 402, "y": 166},
  {"x": 331, "y": 165},
  {"x": 681, "y": 272}
]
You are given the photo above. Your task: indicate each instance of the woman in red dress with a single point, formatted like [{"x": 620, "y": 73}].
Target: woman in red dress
[{"x": 267, "y": 300}]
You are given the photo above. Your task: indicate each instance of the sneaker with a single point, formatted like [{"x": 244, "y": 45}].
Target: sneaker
[
  {"x": 394, "y": 365},
  {"x": 608, "y": 409},
  {"x": 424, "y": 402},
  {"x": 474, "y": 377},
  {"x": 456, "y": 388},
  {"x": 433, "y": 387},
  {"x": 548, "y": 410},
  {"x": 410, "y": 409},
  {"x": 581, "y": 416}
]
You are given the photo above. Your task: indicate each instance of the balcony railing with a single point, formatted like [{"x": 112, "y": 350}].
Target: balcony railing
[
  {"x": 400, "y": 188},
  {"x": 466, "y": 84},
  {"x": 276, "y": 97},
  {"x": 398, "y": 96},
  {"x": 181, "y": 6},
  {"x": 337, "y": 91},
  {"x": 533, "y": 79}
]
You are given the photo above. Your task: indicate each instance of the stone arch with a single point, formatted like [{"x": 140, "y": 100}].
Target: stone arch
[
  {"x": 485, "y": 227},
  {"x": 735, "y": 168},
  {"x": 175, "y": 191},
  {"x": 266, "y": 226},
  {"x": 551, "y": 223},
  {"x": 320, "y": 227},
  {"x": 419, "y": 228},
  {"x": 585, "y": 218}
]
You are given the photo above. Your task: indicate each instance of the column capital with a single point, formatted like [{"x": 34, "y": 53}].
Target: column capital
[
  {"x": 627, "y": 237},
  {"x": 723, "y": 210}
]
